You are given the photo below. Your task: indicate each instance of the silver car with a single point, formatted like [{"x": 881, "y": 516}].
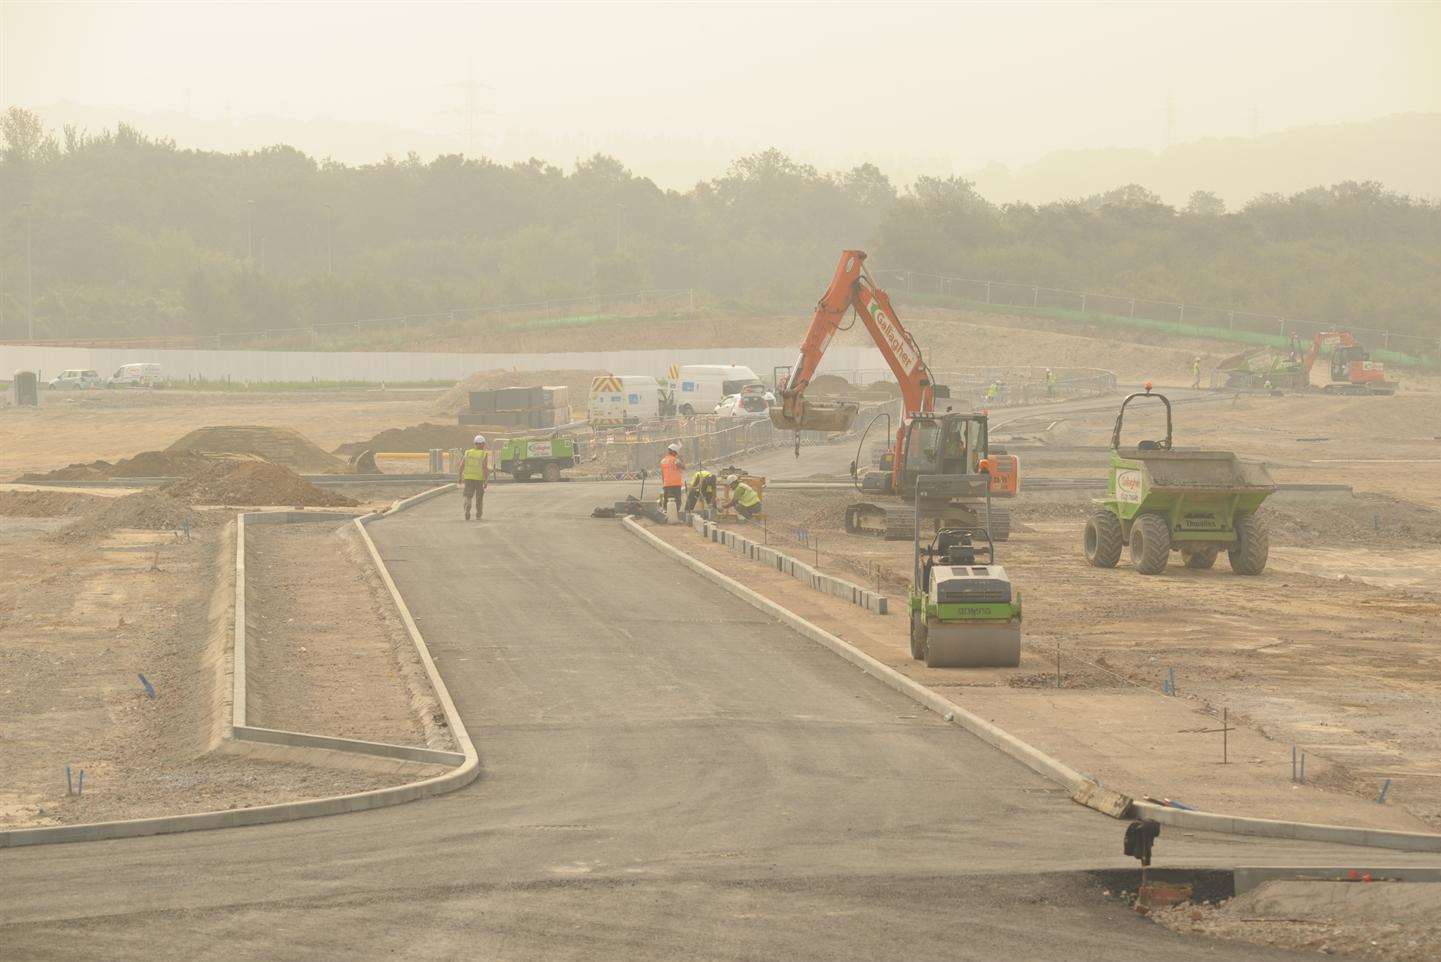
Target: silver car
[{"x": 76, "y": 380}]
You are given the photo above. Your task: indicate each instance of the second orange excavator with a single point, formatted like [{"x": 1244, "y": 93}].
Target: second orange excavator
[{"x": 926, "y": 443}]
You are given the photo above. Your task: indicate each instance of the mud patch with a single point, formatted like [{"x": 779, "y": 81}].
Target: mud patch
[
  {"x": 147, "y": 511},
  {"x": 278, "y": 445},
  {"x": 251, "y": 483}
]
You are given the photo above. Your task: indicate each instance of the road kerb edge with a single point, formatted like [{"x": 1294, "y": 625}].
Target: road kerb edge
[
  {"x": 456, "y": 778},
  {"x": 1083, "y": 790}
]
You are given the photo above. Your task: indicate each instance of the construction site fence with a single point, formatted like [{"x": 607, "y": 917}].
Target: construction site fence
[
  {"x": 525, "y": 315},
  {"x": 622, "y": 453},
  {"x": 1172, "y": 316}
]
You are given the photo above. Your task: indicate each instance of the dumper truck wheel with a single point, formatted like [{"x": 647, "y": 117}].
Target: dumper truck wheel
[
  {"x": 1103, "y": 539},
  {"x": 552, "y": 472},
  {"x": 918, "y": 636},
  {"x": 1253, "y": 544},
  {"x": 1150, "y": 544},
  {"x": 520, "y": 474},
  {"x": 1200, "y": 557}
]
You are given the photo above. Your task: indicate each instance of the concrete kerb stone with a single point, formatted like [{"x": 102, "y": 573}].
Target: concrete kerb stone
[
  {"x": 1083, "y": 790},
  {"x": 459, "y": 776},
  {"x": 773, "y": 557}
]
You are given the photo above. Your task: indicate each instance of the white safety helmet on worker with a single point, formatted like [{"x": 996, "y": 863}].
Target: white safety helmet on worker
[
  {"x": 733, "y": 479},
  {"x": 480, "y": 439},
  {"x": 673, "y": 448}
]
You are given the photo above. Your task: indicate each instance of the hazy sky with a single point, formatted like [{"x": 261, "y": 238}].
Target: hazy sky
[{"x": 833, "y": 83}]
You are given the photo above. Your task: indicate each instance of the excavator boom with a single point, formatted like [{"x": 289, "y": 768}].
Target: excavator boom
[{"x": 851, "y": 288}]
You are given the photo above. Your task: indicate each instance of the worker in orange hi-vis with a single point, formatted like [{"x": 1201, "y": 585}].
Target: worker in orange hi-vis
[{"x": 672, "y": 480}]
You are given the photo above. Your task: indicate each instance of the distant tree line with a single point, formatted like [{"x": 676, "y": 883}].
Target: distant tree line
[{"x": 130, "y": 236}]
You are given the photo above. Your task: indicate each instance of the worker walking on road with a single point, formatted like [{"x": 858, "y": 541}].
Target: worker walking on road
[
  {"x": 672, "y": 479},
  {"x": 1050, "y": 384},
  {"x": 743, "y": 498},
  {"x": 1196, "y": 372},
  {"x": 702, "y": 491},
  {"x": 993, "y": 390},
  {"x": 474, "y": 473}
]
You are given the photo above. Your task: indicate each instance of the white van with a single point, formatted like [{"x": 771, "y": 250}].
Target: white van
[
  {"x": 143, "y": 374},
  {"x": 622, "y": 399},
  {"x": 700, "y": 387}
]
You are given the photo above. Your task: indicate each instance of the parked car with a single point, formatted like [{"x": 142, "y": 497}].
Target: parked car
[
  {"x": 748, "y": 404},
  {"x": 76, "y": 380},
  {"x": 142, "y": 374},
  {"x": 701, "y": 387}
]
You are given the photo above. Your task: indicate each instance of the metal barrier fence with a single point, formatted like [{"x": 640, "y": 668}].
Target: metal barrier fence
[
  {"x": 1035, "y": 297},
  {"x": 622, "y": 453}
]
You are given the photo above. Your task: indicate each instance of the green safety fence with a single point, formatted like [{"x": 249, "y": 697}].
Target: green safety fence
[{"x": 1176, "y": 328}]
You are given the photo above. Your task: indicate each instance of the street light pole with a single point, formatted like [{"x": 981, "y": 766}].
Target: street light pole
[{"x": 29, "y": 277}]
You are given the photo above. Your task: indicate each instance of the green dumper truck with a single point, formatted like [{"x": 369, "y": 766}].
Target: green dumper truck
[
  {"x": 526, "y": 458},
  {"x": 1159, "y": 499}
]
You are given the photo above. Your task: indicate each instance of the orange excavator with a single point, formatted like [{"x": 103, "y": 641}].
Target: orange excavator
[
  {"x": 926, "y": 443},
  {"x": 1350, "y": 371}
]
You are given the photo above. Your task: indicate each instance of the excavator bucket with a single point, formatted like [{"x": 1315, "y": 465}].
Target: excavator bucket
[{"x": 829, "y": 416}]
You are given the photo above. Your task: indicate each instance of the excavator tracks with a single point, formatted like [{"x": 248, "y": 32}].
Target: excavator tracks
[{"x": 897, "y": 522}]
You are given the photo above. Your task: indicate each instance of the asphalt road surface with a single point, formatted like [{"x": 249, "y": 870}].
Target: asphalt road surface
[{"x": 667, "y": 775}]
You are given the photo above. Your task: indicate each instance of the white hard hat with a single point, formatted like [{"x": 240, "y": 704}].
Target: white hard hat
[
  {"x": 480, "y": 439},
  {"x": 673, "y": 447},
  {"x": 733, "y": 479}
]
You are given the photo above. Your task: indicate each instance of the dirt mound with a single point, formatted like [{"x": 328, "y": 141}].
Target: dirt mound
[
  {"x": 149, "y": 510},
  {"x": 457, "y": 399},
  {"x": 43, "y": 504},
  {"x": 277, "y": 445},
  {"x": 1366, "y": 519},
  {"x": 249, "y": 483},
  {"x": 417, "y": 437},
  {"x": 146, "y": 464}
]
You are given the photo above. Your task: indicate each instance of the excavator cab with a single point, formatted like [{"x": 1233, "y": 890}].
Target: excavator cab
[{"x": 948, "y": 444}]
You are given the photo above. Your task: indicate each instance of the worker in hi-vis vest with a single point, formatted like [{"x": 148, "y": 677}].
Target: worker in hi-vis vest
[
  {"x": 743, "y": 497},
  {"x": 672, "y": 479},
  {"x": 474, "y": 472},
  {"x": 702, "y": 492}
]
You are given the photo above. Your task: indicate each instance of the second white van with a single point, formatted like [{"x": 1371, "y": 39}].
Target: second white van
[
  {"x": 622, "y": 399},
  {"x": 700, "y": 387}
]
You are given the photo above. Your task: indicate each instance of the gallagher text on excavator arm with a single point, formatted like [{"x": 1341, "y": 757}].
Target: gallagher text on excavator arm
[{"x": 851, "y": 287}]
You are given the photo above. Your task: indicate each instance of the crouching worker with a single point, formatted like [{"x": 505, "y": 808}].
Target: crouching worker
[
  {"x": 743, "y": 498},
  {"x": 702, "y": 492}
]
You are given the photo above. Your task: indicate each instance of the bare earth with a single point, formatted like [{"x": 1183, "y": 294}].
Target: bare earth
[
  {"x": 79, "y": 623},
  {"x": 109, "y": 425},
  {"x": 326, "y": 652}
]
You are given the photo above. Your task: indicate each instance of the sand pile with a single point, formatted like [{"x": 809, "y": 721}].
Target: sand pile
[
  {"x": 146, "y": 464},
  {"x": 277, "y": 445},
  {"x": 43, "y": 504},
  {"x": 149, "y": 510},
  {"x": 1365, "y": 519},
  {"x": 417, "y": 437},
  {"x": 457, "y": 399},
  {"x": 249, "y": 483}
]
